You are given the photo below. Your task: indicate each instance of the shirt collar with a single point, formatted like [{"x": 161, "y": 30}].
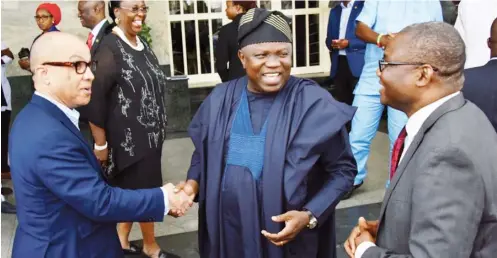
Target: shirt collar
[
  {"x": 72, "y": 114},
  {"x": 493, "y": 58},
  {"x": 97, "y": 28},
  {"x": 351, "y": 3},
  {"x": 417, "y": 119}
]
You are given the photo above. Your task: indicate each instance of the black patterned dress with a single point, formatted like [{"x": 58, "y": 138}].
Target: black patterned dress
[{"x": 128, "y": 102}]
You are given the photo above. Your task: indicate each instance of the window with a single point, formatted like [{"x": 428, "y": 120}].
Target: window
[{"x": 193, "y": 34}]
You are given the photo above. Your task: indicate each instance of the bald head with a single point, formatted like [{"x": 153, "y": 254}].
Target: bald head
[
  {"x": 57, "y": 47},
  {"x": 60, "y": 64},
  {"x": 492, "y": 41},
  {"x": 437, "y": 44}
]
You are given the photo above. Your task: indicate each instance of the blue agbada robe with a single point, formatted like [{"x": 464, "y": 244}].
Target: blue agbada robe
[{"x": 307, "y": 164}]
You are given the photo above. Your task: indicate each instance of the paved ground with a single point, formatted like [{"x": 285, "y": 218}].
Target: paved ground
[{"x": 176, "y": 158}]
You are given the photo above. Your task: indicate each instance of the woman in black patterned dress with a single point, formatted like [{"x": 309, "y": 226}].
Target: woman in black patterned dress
[{"x": 127, "y": 112}]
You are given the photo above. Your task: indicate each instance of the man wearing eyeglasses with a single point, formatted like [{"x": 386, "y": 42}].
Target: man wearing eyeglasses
[
  {"x": 442, "y": 199},
  {"x": 64, "y": 207},
  {"x": 376, "y": 25}
]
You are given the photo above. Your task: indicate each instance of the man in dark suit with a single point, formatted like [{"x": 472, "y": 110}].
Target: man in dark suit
[
  {"x": 480, "y": 84},
  {"x": 347, "y": 58},
  {"x": 442, "y": 200},
  {"x": 228, "y": 64},
  {"x": 92, "y": 16},
  {"x": 64, "y": 207}
]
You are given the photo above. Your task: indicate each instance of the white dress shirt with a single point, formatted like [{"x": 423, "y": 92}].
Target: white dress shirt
[
  {"x": 96, "y": 30},
  {"x": 413, "y": 125},
  {"x": 344, "y": 21},
  {"x": 473, "y": 23},
  {"x": 5, "y": 82},
  {"x": 73, "y": 115}
]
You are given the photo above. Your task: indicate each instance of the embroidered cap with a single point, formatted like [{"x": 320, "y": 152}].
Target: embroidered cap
[{"x": 260, "y": 26}]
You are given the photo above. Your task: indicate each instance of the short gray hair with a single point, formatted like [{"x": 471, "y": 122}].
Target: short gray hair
[{"x": 440, "y": 45}]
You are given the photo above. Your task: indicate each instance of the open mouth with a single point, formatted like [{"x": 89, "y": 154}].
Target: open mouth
[
  {"x": 138, "y": 23},
  {"x": 271, "y": 75}
]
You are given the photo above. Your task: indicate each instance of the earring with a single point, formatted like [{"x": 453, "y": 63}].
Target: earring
[{"x": 117, "y": 20}]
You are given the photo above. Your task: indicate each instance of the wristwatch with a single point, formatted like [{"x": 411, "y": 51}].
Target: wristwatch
[{"x": 313, "y": 222}]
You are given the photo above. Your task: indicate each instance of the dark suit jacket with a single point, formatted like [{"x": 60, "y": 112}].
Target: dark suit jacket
[
  {"x": 106, "y": 29},
  {"x": 442, "y": 201},
  {"x": 480, "y": 87},
  {"x": 228, "y": 64},
  {"x": 357, "y": 47},
  {"x": 64, "y": 207}
]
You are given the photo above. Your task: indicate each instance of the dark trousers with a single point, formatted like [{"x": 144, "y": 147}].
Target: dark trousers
[
  {"x": 344, "y": 82},
  {"x": 5, "y": 140}
]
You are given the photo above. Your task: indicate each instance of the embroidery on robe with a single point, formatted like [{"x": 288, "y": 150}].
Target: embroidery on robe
[
  {"x": 128, "y": 142},
  {"x": 124, "y": 102}
]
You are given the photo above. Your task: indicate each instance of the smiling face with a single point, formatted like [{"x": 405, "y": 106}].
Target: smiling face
[
  {"x": 44, "y": 19},
  {"x": 130, "y": 16},
  {"x": 268, "y": 65}
]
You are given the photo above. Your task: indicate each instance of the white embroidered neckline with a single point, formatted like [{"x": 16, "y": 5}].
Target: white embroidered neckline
[{"x": 120, "y": 33}]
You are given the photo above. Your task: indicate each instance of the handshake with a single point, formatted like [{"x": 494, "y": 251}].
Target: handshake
[{"x": 180, "y": 197}]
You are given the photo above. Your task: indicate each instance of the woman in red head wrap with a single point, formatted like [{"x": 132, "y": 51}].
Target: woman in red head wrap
[{"x": 47, "y": 16}]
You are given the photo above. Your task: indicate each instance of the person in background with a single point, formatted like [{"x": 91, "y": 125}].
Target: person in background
[
  {"x": 7, "y": 58},
  {"x": 92, "y": 16},
  {"x": 271, "y": 154},
  {"x": 64, "y": 206},
  {"x": 127, "y": 113},
  {"x": 442, "y": 200},
  {"x": 47, "y": 16},
  {"x": 473, "y": 21},
  {"x": 480, "y": 83},
  {"x": 227, "y": 63},
  {"x": 347, "y": 50},
  {"x": 377, "y": 25}
]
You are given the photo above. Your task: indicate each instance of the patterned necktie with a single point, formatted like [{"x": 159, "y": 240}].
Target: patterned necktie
[
  {"x": 398, "y": 147},
  {"x": 89, "y": 42}
]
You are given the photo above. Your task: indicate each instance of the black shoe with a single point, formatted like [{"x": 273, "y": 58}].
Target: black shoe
[
  {"x": 351, "y": 191},
  {"x": 6, "y": 191},
  {"x": 132, "y": 250},
  {"x": 8, "y": 208}
]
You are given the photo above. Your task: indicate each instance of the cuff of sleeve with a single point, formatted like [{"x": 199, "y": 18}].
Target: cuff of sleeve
[
  {"x": 166, "y": 201},
  {"x": 361, "y": 249},
  {"x": 6, "y": 59}
]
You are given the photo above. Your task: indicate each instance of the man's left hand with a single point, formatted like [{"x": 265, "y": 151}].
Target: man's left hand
[
  {"x": 340, "y": 44},
  {"x": 295, "y": 221},
  {"x": 365, "y": 236}
]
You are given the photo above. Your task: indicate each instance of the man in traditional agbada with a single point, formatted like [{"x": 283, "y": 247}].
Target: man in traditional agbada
[{"x": 272, "y": 156}]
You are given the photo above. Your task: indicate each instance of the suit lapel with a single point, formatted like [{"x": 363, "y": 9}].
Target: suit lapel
[
  {"x": 451, "y": 105},
  {"x": 54, "y": 111},
  {"x": 98, "y": 39}
]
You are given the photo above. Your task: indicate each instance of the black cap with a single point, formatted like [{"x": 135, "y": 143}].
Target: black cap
[{"x": 260, "y": 26}]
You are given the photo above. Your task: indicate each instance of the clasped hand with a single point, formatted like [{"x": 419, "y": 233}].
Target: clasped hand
[
  {"x": 179, "y": 200},
  {"x": 181, "y": 197},
  {"x": 365, "y": 231}
]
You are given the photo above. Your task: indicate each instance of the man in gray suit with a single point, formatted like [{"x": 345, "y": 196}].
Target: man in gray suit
[{"x": 442, "y": 201}]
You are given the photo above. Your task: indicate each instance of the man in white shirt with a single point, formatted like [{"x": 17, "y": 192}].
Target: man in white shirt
[
  {"x": 7, "y": 58},
  {"x": 473, "y": 22},
  {"x": 442, "y": 200},
  {"x": 64, "y": 206}
]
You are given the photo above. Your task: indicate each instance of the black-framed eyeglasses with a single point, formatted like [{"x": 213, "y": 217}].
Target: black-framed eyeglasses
[
  {"x": 382, "y": 64},
  {"x": 79, "y": 66},
  {"x": 42, "y": 17},
  {"x": 136, "y": 9}
]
